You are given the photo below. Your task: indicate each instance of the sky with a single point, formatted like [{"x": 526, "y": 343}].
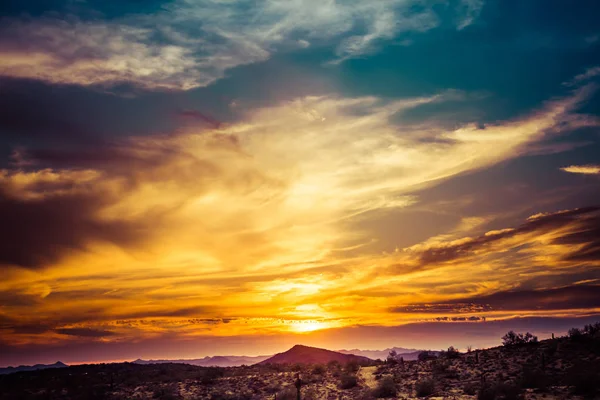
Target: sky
[{"x": 207, "y": 177}]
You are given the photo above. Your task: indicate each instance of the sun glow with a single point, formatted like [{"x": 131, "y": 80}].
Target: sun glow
[{"x": 309, "y": 326}]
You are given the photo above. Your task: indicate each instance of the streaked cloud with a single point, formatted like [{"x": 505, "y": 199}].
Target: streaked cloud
[{"x": 589, "y": 169}]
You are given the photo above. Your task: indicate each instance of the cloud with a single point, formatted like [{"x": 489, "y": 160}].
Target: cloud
[
  {"x": 583, "y": 169},
  {"x": 84, "y": 332},
  {"x": 253, "y": 222},
  {"x": 571, "y": 297},
  {"x": 589, "y": 73},
  {"x": 472, "y": 9},
  {"x": 193, "y": 43},
  {"x": 539, "y": 224},
  {"x": 48, "y": 214}
]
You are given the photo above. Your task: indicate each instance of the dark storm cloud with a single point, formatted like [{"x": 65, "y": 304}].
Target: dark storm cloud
[
  {"x": 572, "y": 297},
  {"x": 38, "y": 232},
  {"x": 584, "y": 217}
]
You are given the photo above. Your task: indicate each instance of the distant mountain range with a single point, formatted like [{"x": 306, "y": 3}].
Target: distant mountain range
[
  {"x": 216, "y": 361},
  {"x": 297, "y": 354},
  {"x": 312, "y": 355},
  {"x": 10, "y": 370},
  {"x": 407, "y": 354}
]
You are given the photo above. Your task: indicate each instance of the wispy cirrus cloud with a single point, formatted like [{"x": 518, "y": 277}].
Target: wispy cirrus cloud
[{"x": 193, "y": 43}]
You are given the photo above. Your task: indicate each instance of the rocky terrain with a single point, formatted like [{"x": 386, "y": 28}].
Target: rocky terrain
[{"x": 561, "y": 368}]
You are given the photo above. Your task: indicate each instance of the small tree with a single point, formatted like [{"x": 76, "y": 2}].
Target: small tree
[
  {"x": 392, "y": 357},
  {"x": 513, "y": 339},
  {"x": 452, "y": 353}
]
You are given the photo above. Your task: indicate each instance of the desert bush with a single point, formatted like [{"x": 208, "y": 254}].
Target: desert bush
[
  {"x": 352, "y": 366},
  {"x": 440, "y": 367},
  {"x": 426, "y": 355},
  {"x": 452, "y": 353},
  {"x": 319, "y": 369},
  {"x": 575, "y": 333},
  {"x": 386, "y": 387},
  {"x": 513, "y": 339},
  {"x": 592, "y": 329},
  {"x": 297, "y": 367},
  {"x": 425, "y": 388},
  {"x": 348, "y": 381}
]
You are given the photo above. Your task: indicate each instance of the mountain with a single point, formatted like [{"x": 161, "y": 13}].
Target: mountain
[
  {"x": 216, "y": 361},
  {"x": 10, "y": 370},
  {"x": 300, "y": 354},
  {"x": 407, "y": 354}
]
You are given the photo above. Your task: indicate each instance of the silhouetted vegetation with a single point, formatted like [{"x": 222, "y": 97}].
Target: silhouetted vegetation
[
  {"x": 426, "y": 355},
  {"x": 425, "y": 388},
  {"x": 386, "y": 387},
  {"x": 515, "y": 339},
  {"x": 348, "y": 381}
]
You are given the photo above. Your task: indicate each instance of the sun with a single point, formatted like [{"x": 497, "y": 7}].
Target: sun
[{"x": 308, "y": 326}]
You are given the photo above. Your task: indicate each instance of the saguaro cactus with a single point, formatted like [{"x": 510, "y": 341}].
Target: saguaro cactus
[{"x": 298, "y": 385}]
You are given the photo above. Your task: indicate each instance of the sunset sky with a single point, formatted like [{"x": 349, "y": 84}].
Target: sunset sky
[{"x": 206, "y": 177}]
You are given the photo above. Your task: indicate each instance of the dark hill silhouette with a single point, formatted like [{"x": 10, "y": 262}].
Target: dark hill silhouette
[
  {"x": 10, "y": 370},
  {"x": 300, "y": 354}
]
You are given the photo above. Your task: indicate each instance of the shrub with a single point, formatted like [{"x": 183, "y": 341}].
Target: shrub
[
  {"x": 319, "y": 369},
  {"x": 348, "y": 381},
  {"x": 452, "y": 353},
  {"x": 575, "y": 333},
  {"x": 440, "y": 367},
  {"x": 426, "y": 355},
  {"x": 385, "y": 388},
  {"x": 425, "y": 388},
  {"x": 592, "y": 329},
  {"x": 512, "y": 339},
  {"x": 352, "y": 366}
]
